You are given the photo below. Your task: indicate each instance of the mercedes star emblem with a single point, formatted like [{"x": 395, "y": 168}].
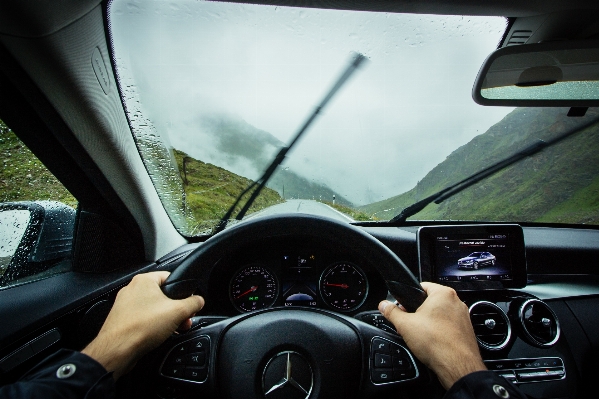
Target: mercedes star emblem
[{"x": 287, "y": 375}]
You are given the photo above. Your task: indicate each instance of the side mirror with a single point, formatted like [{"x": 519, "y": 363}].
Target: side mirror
[
  {"x": 554, "y": 74},
  {"x": 34, "y": 237}
]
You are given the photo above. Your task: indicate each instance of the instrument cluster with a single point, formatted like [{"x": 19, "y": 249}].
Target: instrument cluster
[
  {"x": 342, "y": 286},
  {"x": 308, "y": 277}
]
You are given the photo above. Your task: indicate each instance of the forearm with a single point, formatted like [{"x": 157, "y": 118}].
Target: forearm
[{"x": 65, "y": 374}]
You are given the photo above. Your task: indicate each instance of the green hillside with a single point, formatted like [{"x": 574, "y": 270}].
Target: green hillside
[
  {"x": 23, "y": 177},
  {"x": 210, "y": 190},
  {"x": 559, "y": 184}
]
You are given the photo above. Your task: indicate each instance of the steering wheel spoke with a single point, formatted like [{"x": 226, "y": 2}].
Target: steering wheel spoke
[
  {"x": 388, "y": 364},
  {"x": 187, "y": 361},
  {"x": 288, "y": 353}
]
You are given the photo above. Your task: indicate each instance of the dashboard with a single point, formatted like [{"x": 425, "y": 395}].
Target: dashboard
[
  {"x": 521, "y": 326},
  {"x": 289, "y": 272}
]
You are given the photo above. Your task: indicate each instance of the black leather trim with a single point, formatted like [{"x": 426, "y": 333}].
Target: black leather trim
[{"x": 37, "y": 305}]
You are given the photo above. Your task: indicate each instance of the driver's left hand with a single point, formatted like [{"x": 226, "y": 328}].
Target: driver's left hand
[{"x": 141, "y": 318}]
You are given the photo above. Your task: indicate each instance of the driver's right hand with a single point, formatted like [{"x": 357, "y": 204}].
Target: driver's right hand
[{"x": 439, "y": 333}]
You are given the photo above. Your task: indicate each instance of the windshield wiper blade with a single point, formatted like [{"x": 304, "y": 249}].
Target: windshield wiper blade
[
  {"x": 356, "y": 61},
  {"x": 452, "y": 190}
]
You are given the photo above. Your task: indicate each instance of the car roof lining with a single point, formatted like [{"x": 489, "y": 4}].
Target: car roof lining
[
  {"x": 504, "y": 8},
  {"x": 33, "y": 18}
]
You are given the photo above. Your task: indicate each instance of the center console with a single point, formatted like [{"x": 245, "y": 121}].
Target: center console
[{"x": 518, "y": 334}]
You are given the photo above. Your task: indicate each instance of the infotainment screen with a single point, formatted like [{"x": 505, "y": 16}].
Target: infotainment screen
[{"x": 471, "y": 257}]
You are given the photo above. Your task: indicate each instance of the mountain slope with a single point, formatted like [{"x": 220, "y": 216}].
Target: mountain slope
[
  {"x": 23, "y": 177},
  {"x": 210, "y": 190},
  {"x": 246, "y": 150},
  {"x": 559, "y": 184}
]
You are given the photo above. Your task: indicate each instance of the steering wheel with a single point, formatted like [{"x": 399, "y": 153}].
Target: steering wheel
[{"x": 288, "y": 352}]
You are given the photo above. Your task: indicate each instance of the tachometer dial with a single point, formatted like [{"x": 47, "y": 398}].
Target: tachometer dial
[
  {"x": 343, "y": 286},
  {"x": 253, "y": 288}
]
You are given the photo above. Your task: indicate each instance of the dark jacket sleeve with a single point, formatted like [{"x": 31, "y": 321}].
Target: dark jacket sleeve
[
  {"x": 483, "y": 385},
  {"x": 65, "y": 374}
]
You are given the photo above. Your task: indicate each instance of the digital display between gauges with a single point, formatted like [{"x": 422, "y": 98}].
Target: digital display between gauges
[
  {"x": 343, "y": 286},
  {"x": 253, "y": 288},
  {"x": 299, "y": 279}
]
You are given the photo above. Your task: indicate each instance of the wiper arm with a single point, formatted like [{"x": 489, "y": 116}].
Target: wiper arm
[
  {"x": 356, "y": 61},
  {"x": 452, "y": 190}
]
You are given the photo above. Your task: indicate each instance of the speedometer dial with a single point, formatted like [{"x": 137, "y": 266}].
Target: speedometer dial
[
  {"x": 253, "y": 288},
  {"x": 343, "y": 286}
]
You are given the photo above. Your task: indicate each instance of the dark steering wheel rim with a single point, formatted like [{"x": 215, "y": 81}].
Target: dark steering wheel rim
[{"x": 192, "y": 274}]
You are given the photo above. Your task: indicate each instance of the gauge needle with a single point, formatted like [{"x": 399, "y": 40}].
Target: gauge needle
[
  {"x": 252, "y": 289},
  {"x": 338, "y": 285}
]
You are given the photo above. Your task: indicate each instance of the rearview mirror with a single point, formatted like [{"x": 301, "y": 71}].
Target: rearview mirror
[{"x": 555, "y": 74}]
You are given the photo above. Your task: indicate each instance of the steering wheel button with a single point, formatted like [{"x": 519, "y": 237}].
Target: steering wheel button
[
  {"x": 397, "y": 350},
  {"x": 175, "y": 360},
  {"x": 173, "y": 371},
  {"x": 195, "y": 359},
  {"x": 400, "y": 375},
  {"x": 382, "y": 375},
  {"x": 382, "y": 361},
  {"x": 196, "y": 374},
  {"x": 380, "y": 345},
  {"x": 199, "y": 344},
  {"x": 401, "y": 363},
  {"x": 181, "y": 349}
]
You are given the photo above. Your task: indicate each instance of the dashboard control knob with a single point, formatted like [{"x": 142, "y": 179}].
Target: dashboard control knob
[
  {"x": 490, "y": 323},
  {"x": 546, "y": 322}
]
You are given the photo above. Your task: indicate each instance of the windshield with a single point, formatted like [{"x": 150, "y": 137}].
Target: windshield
[{"x": 213, "y": 91}]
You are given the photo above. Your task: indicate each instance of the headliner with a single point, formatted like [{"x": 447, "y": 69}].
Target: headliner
[{"x": 505, "y": 8}]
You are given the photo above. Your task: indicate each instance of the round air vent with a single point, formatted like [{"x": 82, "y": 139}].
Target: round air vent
[
  {"x": 539, "y": 323},
  {"x": 491, "y": 325}
]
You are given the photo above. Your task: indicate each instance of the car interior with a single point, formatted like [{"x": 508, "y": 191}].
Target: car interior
[{"x": 534, "y": 310}]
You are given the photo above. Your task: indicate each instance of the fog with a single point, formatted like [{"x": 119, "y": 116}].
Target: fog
[{"x": 265, "y": 68}]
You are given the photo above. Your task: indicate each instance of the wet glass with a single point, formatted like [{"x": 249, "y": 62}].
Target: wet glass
[
  {"x": 13, "y": 224},
  {"x": 213, "y": 90}
]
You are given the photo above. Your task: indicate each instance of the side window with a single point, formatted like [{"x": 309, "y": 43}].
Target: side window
[{"x": 37, "y": 216}]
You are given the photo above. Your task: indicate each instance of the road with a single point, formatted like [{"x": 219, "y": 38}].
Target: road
[{"x": 303, "y": 206}]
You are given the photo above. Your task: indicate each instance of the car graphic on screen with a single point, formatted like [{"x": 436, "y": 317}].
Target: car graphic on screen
[{"x": 477, "y": 260}]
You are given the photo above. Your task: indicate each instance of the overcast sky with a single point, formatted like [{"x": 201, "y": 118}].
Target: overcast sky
[{"x": 396, "y": 119}]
